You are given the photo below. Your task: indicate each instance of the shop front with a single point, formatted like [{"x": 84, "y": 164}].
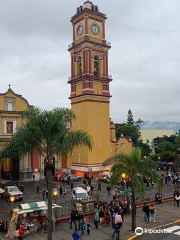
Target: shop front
[{"x": 32, "y": 216}]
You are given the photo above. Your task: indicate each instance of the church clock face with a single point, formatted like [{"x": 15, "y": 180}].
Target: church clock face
[
  {"x": 79, "y": 30},
  {"x": 95, "y": 29}
]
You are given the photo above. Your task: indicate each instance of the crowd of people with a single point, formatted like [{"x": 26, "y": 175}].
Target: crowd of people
[{"x": 105, "y": 214}]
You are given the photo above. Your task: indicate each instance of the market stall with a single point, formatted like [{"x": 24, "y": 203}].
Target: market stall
[{"x": 32, "y": 215}]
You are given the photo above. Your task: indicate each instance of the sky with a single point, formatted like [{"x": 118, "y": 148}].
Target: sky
[{"x": 144, "y": 59}]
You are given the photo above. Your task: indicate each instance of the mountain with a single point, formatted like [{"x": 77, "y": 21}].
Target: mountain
[{"x": 161, "y": 125}]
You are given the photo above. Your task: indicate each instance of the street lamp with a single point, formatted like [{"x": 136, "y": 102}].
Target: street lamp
[
  {"x": 12, "y": 199},
  {"x": 123, "y": 175},
  {"x": 55, "y": 194}
]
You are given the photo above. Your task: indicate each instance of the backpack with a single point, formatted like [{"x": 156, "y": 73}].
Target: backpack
[{"x": 118, "y": 219}]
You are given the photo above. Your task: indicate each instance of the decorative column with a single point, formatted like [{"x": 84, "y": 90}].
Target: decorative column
[
  {"x": 104, "y": 64},
  {"x": 72, "y": 66},
  {"x": 104, "y": 36},
  {"x": 87, "y": 51},
  {"x": 84, "y": 61},
  {"x": 90, "y": 65},
  {"x": 73, "y": 33},
  {"x": 107, "y": 64}
]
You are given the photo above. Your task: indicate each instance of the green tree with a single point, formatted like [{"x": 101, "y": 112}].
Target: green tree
[
  {"x": 166, "y": 148},
  {"x": 47, "y": 132},
  {"x": 135, "y": 168},
  {"x": 145, "y": 148},
  {"x": 129, "y": 131},
  {"x": 130, "y": 119}
]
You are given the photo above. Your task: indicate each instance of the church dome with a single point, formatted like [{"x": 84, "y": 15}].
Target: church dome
[{"x": 88, "y": 5}]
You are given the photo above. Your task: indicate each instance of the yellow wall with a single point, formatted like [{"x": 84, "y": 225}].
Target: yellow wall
[
  {"x": 92, "y": 117},
  {"x": 15, "y": 116}
]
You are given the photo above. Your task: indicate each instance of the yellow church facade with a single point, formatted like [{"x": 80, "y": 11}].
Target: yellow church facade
[
  {"x": 12, "y": 106},
  {"x": 90, "y": 94}
]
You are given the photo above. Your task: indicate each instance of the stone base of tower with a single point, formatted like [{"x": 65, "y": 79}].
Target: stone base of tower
[{"x": 81, "y": 169}]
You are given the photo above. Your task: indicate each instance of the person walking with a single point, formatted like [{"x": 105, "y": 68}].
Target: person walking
[
  {"x": 92, "y": 189},
  {"x": 64, "y": 192},
  {"x": 152, "y": 213},
  {"x": 72, "y": 186},
  {"x": 177, "y": 197},
  {"x": 21, "y": 232},
  {"x": 96, "y": 218},
  {"x": 88, "y": 189},
  {"x": 99, "y": 186},
  {"x": 33, "y": 177},
  {"x": 60, "y": 191},
  {"x": 46, "y": 193},
  {"x": 101, "y": 215},
  {"x": 37, "y": 189},
  {"x": 88, "y": 227},
  {"x": 108, "y": 190},
  {"x": 82, "y": 227},
  {"x": 73, "y": 219},
  {"x": 80, "y": 218},
  {"x": 117, "y": 225},
  {"x": 146, "y": 212},
  {"x": 76, "y": 235},
  {"x": 114, "y": 195},
  {"x": 43, "y": 193}
]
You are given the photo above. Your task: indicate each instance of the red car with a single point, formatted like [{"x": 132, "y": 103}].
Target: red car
[{"x": 59, "y": 175}]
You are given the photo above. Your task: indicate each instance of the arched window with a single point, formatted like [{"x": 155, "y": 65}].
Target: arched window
[
  {"x": 10, "y": 106},
  {"x": 79, "y": 65},
  {"x": 96, "y": 65}
]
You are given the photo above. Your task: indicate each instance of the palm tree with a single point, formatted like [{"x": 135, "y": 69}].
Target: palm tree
[
  {"x": 46, "y": 132},
  {"x": 136, "y": 169}
]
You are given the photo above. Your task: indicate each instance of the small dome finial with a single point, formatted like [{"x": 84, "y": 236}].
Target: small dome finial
[{"x": 9, "y": 86}]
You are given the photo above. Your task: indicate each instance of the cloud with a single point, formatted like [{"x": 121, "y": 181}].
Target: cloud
[{"x": 144, "y": 59}]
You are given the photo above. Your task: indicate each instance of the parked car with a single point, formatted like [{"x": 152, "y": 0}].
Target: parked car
[
  {"x": 59, "y": 175},
  {"x": 79, "y": 193},
  {"x": 72, "y": 177},
  {"x": 13, "y": 191}
]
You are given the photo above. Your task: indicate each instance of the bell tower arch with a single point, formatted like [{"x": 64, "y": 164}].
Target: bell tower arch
[{"x": 90, "y": 94}]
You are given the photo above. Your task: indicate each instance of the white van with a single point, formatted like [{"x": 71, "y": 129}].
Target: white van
[{"x": 79, "y": 193}]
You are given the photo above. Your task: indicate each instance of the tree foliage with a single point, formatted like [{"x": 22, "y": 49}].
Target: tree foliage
[
  {"x": 129, "y": 131},
  {"x": 167, "y": 149},
  {"x": 130, "y": 120},
  {"x": 136, "y": 169},
  {"x": 47, "y": 132}
]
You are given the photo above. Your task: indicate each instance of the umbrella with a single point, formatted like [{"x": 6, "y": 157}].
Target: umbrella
[
  {"x": 163, "y": 163},
  {"x": 170, "y": 163}
]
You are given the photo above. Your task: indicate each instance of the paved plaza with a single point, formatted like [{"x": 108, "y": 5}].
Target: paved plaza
[
  {"x": 165, "y": 213},
  {"x": 30, "y": 195}
]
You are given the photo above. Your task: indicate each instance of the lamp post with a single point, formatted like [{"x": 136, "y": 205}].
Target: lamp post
[
  {"x": 55, "y": 194},
  {"x": 12, "y": 199}
]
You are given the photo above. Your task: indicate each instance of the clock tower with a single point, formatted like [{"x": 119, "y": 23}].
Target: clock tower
[{"x": 90, "y": 95}]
